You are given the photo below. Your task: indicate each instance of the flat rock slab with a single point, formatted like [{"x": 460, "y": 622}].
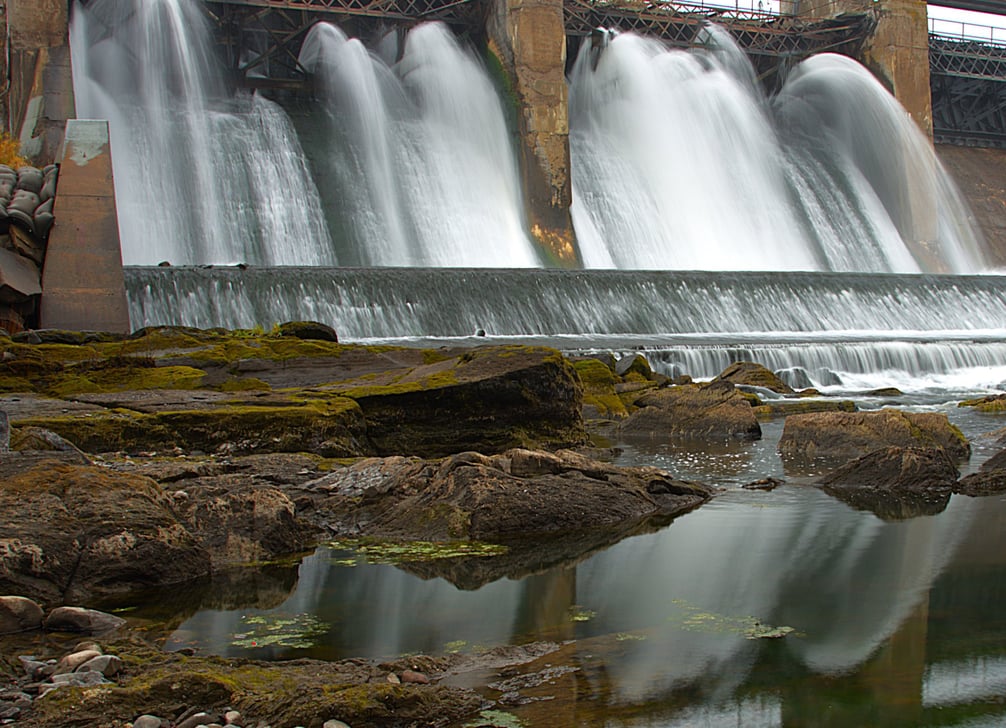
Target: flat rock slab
[
  {"x": 154, "y": 400},
  {"x": 22, "y": 406}
]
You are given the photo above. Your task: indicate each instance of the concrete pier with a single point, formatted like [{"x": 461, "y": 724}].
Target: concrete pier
[
  {"x": 528, "y": 37},
  {"x": 82, "y": 281}
]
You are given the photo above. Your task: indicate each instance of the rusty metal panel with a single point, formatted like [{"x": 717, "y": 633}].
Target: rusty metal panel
[{"x": 82, "y": 281}]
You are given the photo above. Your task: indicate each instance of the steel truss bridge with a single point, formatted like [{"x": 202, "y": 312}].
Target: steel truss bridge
[
  {"x": 968, "y": 82},
  {"x": 968, "y": 77}
]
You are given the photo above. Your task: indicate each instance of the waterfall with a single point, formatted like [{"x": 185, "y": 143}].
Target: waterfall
[
  {"x": 924, "y": 332},
  {"x": 417, "y": 155},
  {"x": 681, "y": 162},
  {"x": 200, "y": 177}
]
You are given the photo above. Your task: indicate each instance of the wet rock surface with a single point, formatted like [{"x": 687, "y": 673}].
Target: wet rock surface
[
  {"x": 716, "y": 410},
  {"x": 493, "y": 498},
  {"x": 843, "y": 435},
  {"x": 895, "y": 482}
]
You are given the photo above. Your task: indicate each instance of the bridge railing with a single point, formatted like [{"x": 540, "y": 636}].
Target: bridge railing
[{"x": 965, "y": 31}]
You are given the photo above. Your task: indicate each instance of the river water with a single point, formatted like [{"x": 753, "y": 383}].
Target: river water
[{"x": 894, "y": 623}]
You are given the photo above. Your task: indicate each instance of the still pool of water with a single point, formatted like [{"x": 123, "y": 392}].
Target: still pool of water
[{"x": 893, "y": 623}]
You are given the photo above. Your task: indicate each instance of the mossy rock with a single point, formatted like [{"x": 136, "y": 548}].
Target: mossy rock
[
  {"x": 993, "y": 404},
  {"x": 599, "y": 395},
  {"x": 488, "y": 399},
  {"x": 308, "y": 330},
  {"x": 784, "y": 407},
  {"x": 332, "y": 428},
  {"x": 300, "y": 692},
  {"x": 754, "y": 375}
]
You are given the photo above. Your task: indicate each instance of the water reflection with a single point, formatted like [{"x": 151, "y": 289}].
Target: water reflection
[{"x": 889, "y": 617}]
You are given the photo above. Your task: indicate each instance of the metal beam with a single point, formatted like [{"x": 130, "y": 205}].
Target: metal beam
[{"x": 997, "y": 7}]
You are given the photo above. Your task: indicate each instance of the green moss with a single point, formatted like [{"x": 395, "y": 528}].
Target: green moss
[
  {"x": 331, "y": 427},
  {"x": 121, "y": 379},
  {"x": 594, "y": 375},
  {"x": 445, "y": 378},
  {"x": 990, "y": 405}
]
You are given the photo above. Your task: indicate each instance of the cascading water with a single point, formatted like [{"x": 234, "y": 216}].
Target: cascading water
[
  {"x": 680, "y": 162},
  {"x": 418, "y": 152},
  {"x": 200, "y": 178}
]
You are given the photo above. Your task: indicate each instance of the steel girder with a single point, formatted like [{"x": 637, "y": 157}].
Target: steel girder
[
  {"x": 758, "y": 33},
  {"x": 263, "y": 37},
  {"x": 968, "y": 83}
]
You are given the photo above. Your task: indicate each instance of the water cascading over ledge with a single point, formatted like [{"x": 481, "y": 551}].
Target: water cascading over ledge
[
  {"x": 918, "y": 332},
  {"x": 679, "y": 159}
]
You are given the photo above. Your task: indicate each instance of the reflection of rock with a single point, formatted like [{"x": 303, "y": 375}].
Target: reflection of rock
[
  {"x": 529, "y": 556},
  {"x": 513, "y": 495},
  {"x": 895, "y": 482},
  {"x": 990, "y": 479},
  {"x": 852, "y": 434},
  {"x": 712, "y": 411}
]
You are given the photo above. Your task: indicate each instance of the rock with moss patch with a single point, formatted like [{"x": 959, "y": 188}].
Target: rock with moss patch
[
  {"x": 895, "y": 482},
  {"x": 600, "y": 399},
  {"x": 308, "y": 330},
  {"x": 991, "y": 404},
  {"x": 989, "y": 480},
  {"x": 712, "y": 411},
  {"x": 506, "y": 496},
  {"x": 844, "y": 435},
  {"x": 487, "y": 399},
  {"x": 755, "y": 375},
  {"x": 77, "y": 532}
]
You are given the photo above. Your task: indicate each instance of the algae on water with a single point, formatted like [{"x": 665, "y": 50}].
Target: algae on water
[
  {"x": 396, "y": 552},
  {"x": 297, "y": 631},
  {"x": 696, "y": 620}
]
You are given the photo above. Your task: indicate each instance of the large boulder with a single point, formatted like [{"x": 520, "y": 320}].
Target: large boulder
[
  {"x": 78, "y": 532},
  {"x": 895, "y": 482},
  {"x": 486, "y": 399},
  {"x": 508, "y": 496},
  {"x": 715, "y": 410},
  {"x": 844, "y": 435}
]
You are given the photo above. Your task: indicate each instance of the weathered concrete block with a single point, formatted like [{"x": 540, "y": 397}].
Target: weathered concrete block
[{"x": 82, "y": 276}]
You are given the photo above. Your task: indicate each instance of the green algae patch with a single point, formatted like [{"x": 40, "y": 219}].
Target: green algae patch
[
  {"x": 695, "y": 619},
  {"x": 290, "y": 631},
  {"x": 576, "y": 613},
  {"x": 398, "y": 552}
]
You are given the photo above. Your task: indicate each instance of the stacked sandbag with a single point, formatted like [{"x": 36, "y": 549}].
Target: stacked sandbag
[
  {"x": 26, "y": 204},
  {"x": 26, "y": 218}
]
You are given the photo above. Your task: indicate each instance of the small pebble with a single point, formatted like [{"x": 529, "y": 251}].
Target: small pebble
[
  {"x": 393, "y": 679},
  {"x": 335, "y": 724}
]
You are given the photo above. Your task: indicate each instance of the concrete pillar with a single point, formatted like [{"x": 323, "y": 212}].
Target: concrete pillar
[
  {"x": 82, "y": 282},
  {"x": 41, "y": 83},
  {"x": 528, "y": 37},
  {"x": 897, "y": 52}
]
